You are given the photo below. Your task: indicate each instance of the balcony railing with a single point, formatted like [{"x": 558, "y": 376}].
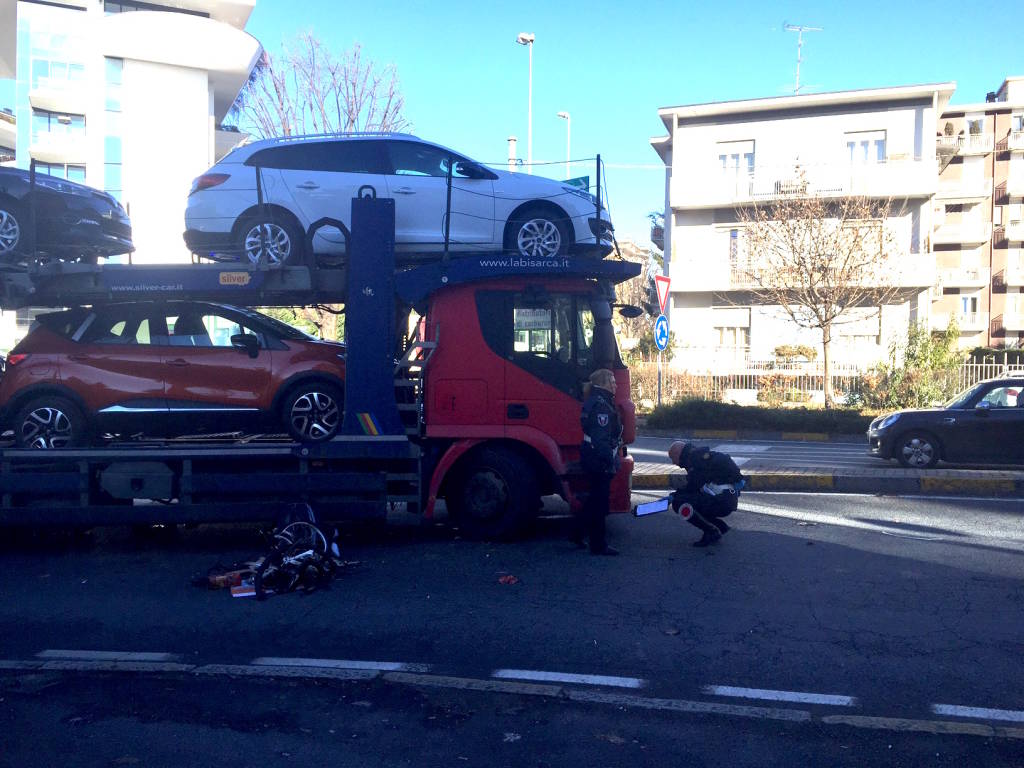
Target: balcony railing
[
  {"x": 965, "y": 277},
  {"x": 1015, "y": 141},
  {"x": 1015, "y": 185},
  {"x": 709, "y": 187},
  {"x": 1011, "y": 320},
  {"x": 58, "y": 147},
  {"x": 1014, "y": 231},
  {"x": 951, "y": 190},
  {"x": 964, "y": 232},
  {"x": 967, "y": 322},
  {"x": 1013, "y": 275},
  {"x": 973, "y": 144}
]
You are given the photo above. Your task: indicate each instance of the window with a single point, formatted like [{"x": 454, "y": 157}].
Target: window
[
  {"x": 1017, "y": 122},
  {"x": 1003, "y": 397},
  {"x": 865, "y": 147},
  {"x": 113, "y": 182},
  {"x": 124, "y": 326},
  {"x": 56, "y": 73},
  {"x": 732, "y": 337},
  {"x": 353, "y": 156},
  {"x": 736, "y": 157},
  {"x": 976, "y": 126},
  {"x": 56, "y": 124},
  {"x": 196, "y": 328},
  {"x": 968, "y": 305},
  {"x": 409, "y": 158},
  {"x": 128, "y": 6}
]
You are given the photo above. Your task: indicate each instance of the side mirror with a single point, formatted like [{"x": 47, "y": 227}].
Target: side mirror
[
  {"x": 246, "y": 342},
  {"x": 629, "y": 311},
  {"x": 983, "y": 407}
]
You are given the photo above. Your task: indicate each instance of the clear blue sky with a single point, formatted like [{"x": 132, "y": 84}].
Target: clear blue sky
[{"x": 611, "y": 65}]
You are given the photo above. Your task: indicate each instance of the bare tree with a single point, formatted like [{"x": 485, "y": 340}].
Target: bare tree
[
  {"x": 307, "y": 88},
  {"x": 818, "y": 256}
]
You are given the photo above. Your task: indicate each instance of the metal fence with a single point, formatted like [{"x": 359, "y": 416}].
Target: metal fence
[{"x": 792, "y": 383}]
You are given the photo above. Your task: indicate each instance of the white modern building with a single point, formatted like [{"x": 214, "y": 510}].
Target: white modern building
[
  {"x": 125, "y": 96},
  {"x": 722, "y": 157}
]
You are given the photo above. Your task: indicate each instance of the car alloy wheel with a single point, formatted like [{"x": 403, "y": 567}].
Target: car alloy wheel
[
  {"x": 10, "y": 231},
  {"x": 47, "y": 426},
  {"x": 917, "y": 451},
  {"x": 314, "y": 416},
  {"x": 274, "y": 237},
  {"x": 539, "y": 238}
]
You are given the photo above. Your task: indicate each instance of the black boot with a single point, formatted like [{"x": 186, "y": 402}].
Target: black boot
[
  {"x": 711, "y": 533},
  {"x": 721, "y": 525},
  {"x": 709, "y": 538}
]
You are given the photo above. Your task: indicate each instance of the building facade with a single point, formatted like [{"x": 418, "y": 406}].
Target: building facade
[
  {"x": 978, "y": 233},
  {"x": 723, "y": 157},
  {"x": 124, "y": 96}
]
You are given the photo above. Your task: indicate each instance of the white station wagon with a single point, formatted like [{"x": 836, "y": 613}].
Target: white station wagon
[{"x": 304, "y": 179}]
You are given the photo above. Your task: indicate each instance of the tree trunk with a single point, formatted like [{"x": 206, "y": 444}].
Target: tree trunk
[{"x": 826, "y": 343}]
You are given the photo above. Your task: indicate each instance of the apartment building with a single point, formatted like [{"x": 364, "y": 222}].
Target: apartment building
[
  {"x": 978, "y": 233},
  {"x": 124, "y": 96},
  {"x": 722, "y": 157}
]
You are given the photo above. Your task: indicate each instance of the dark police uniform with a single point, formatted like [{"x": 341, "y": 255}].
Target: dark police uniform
[
  {"x": 713, "y": 484},
  {"x": 599, "y": 457}
]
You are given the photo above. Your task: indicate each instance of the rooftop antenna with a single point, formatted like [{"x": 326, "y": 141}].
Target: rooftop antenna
[{"x": 799, "y": 29}]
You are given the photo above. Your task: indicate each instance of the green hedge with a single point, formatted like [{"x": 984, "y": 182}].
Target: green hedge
[{"x": 707, "y": 414}]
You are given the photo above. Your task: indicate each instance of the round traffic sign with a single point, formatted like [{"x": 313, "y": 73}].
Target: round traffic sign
[{"x": 661, "y": 333}]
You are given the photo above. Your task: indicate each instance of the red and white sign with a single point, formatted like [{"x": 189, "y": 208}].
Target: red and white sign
[{"x": 661, "y": 282}]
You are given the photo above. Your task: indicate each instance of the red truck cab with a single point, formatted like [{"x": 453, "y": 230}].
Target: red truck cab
[{"x": 503, "y": 394}]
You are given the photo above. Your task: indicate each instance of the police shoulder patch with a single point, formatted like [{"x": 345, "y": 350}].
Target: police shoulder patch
[
  {"x": 602, "y": 419},
  {"x": 707, "y": 456}
]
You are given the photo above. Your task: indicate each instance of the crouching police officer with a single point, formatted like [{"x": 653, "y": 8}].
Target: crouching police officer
[
  {"x": 713, "y": 484},
  {"x": 599, "y": 457}
]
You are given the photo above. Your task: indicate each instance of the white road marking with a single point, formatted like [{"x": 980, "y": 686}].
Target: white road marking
[
  {"x": 107, "y": 655},
  {"x": 979, "y": 713},
  {"x": 566, "y": 677},
  {"x": 735, "y": 448},
  {"x": 794, "y": 696},
  {"x": 681, "y": 705},
  {"x": 380, "y": 666}
]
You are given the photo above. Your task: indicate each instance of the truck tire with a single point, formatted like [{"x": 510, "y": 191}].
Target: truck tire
[
  {"x": 50, "y": 421},
  {"x": 494, "y": 496},
  {"x": 537, "y": 233},
  {"x": 312, "y": 411},
  {"x": 277, "y": 234}
]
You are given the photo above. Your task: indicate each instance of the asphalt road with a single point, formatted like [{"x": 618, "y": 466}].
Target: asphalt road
[
  {"x": 771, "y": 454},
  {"x": 824, "y": 630}
]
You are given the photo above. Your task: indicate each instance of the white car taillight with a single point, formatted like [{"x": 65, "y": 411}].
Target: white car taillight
[{"x": 208, "y": 180}]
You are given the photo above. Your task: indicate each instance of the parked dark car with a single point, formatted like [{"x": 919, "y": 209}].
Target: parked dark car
[
  {"x": 73, "y": 221},
  {"x": 168, "y": 368},
  {"x": 984, "y": 425}
]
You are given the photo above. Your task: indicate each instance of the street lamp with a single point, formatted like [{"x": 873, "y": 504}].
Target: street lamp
[
  {"x": 568, "y": 140},
  {"x": 526, "y": 38}
]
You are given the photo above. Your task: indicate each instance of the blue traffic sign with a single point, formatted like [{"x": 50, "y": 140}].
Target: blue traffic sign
[{"x": 661, "y": 333}]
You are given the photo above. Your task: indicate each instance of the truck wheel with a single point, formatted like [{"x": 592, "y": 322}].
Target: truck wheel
[
  {"x": 278, "y": 236},
  {"x": 538, "y": 234},
  {"x": 49, "y": 422},
  {"x": 11, "y": 230},
  {"x": 493, "y": 497},
  {"x": 312, "y": 411}
]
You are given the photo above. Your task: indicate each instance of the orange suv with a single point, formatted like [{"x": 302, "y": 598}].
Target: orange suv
[{"x": 168, "y": 368}]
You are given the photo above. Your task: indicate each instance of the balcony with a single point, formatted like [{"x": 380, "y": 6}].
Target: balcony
[
  {"x": 1015, "y": 141},
  {"x": 967, "y": 322},
  {"x": 974, "y": 144},
  {"x": 1013, "y": 275},
  {"x": 964, "y": 190},
  {"x": 709, "y": 187},
  {"x": 1014, "y": 231},
  {"x": 1015, "y": 185},
  {"x": 58, "y": 148},
  {"x": 965, "y": 233},
  {"x": 1010, "y": 321},
  {"x": 965, "y": 277}
]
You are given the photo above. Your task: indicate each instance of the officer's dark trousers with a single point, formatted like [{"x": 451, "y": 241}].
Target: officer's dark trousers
[
  {"x": 706, "y": 508},
  {"x": 595, "y": 508}
]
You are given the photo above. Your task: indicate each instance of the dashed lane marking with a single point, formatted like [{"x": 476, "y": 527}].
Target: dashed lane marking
[
  {"x": 797, "y": 697},
  {"x": 380, "y": 666},
  {"x": 566, "y": 677},
  {"x": 979, "y": 713},
  {"x": 107, "y": 655},
  {"x": 682, "y": 705}
]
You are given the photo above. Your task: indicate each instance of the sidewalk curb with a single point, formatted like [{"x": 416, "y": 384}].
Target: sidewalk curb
[
  {"x": 750, "y": 434},
  {"x": 827, "y": 482}
]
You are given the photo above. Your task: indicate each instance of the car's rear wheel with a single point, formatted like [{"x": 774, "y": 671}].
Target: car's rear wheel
[
  {"x": 539, "y": 234},
  {"x": 270, "y": 240},
  {"x": 313, "y": 411},
  {"x": 12, "y": 230},
  {"x": 49, "y": 422},
  {"x": 917, "y": 450}
]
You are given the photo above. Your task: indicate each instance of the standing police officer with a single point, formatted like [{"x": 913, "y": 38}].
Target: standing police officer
[
  {"x": 713, "y": 484},
  {"x": 599, "y": 457}
]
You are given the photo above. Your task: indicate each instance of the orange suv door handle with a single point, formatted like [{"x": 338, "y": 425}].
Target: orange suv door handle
[{"x": 178, "y": 362}]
